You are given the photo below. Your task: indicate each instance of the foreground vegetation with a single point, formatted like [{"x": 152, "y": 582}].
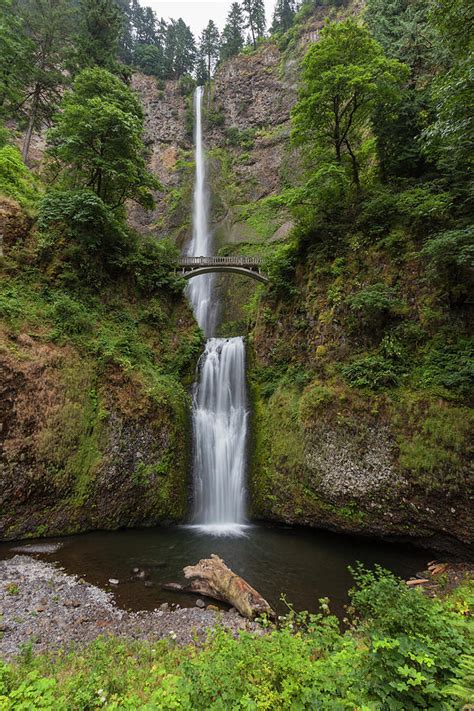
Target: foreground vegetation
[{"x": 401, "y": 650}]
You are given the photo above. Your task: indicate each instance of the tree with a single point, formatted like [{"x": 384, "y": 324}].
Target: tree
[
  {"x": 233, "y": 32},
  {"x": 16, "y": 51},
  {"x": 126, "y": 40},
  {"x": 449, "y": 140},
  {"x": 97, "y": 141},
  {"x": 101, "y": 25},
  {"x": 209, "y": 47},
  {"x": 49, "y": 27},
  {"x": 150, "y": 59},
  {"x": 256, "y": 23},
  {"x": 180, "y": 49},
  {"x": 283, "y": 15},
  {"x": 345, "y": 76}
]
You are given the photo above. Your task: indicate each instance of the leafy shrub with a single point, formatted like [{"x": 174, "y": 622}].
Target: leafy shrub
[
  {"x": 375, "y": 302},
  {"x": 451, "y": 249},
  {"x": 449, "y": 365},
  {"x": 153, "y": 264},
  {"x": 271, "y": 378},
  {"x": 403, "y": 651},
  {"x": 414, "y": 642},
  {"x": 378, "y": 213},
  {"x": 82, "y": 218},
  {"x": 72, "y": 317},
  {"x": 16, "y": 181},
  {"x": 280, "y": 269},
  {"x": 373, "y": 372},
  {"x": 240, "y": 138},
  {"x": 424, "y": 208}
]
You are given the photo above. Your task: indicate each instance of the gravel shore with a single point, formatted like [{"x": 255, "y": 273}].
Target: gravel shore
[{"x": 40, "y": 603}]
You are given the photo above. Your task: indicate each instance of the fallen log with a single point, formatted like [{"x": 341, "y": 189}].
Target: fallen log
[{"x": 212, "y": 578}]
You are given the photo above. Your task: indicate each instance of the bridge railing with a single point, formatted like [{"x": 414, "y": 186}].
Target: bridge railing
[{"x": 220, "y": 261}]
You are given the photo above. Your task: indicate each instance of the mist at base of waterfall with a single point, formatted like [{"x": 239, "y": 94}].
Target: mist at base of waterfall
[{"x": 221, "y": 529}]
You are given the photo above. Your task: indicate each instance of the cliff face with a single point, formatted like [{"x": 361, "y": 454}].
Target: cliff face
[
  {"x": 81, "y": 448},
  {"x": 94, "y": 410}
]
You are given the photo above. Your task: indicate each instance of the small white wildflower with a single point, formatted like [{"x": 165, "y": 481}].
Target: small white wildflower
[{"x": 172, "y": 634}]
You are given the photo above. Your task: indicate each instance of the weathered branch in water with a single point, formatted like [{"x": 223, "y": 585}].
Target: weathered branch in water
[{"x": 212, "y": 578}]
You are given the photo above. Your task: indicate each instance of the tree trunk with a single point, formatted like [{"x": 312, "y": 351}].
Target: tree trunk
[
  {"x": 31, "y": 123},
  {"x": 212, "y": 578},
  {"x": 355, "y": 165}
]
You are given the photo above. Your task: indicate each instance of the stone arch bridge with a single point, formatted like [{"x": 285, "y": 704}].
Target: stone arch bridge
[{"x": 247, "y": 266}]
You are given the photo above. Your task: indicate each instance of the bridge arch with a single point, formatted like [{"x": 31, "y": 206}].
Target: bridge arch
[
  {"x": 235, "y": 270},
  {"x": 246, "y": 266}
]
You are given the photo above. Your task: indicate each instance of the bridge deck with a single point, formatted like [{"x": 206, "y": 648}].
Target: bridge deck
[{"x": 220, "y": 261}]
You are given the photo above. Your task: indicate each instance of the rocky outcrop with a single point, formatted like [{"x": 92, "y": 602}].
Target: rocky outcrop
[
  {"x": 168, "y": 137},
  {"x": 342, "y": 471},
  {"x": 82, "y": 450}
]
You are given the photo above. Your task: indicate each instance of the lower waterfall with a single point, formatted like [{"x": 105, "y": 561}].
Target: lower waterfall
[{"x": 220, "y": 421}]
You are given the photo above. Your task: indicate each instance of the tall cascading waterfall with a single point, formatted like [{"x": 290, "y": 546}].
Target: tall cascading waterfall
[
  {"x": 200, "y": 289},
  {"x": 220, "y": 414}
]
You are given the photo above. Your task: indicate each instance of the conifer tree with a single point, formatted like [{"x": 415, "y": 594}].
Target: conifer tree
[
  {"x": 16, "y": 51},
  {"x": 255, "y": 15},
  {"x": 233, "y": 33},
  {"x": 283, "y": 15},
  {"x": 49, "y": 27},
  {"x": 209, "y": 47},
  {"x": 180, "y": 49},
  {"x": 100, "y": 29}
]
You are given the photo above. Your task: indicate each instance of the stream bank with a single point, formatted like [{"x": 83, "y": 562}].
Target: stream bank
[{"x": 42, "y": 605}]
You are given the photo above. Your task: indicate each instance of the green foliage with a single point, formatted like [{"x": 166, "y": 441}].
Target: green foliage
[
  {"x": 270, "y": 379},
  {"x": 16, "y": 180},
  {"x": 153, "y": 265},
  {"x": 414, "y": 642},
  {"x": 433, "y": 440},
  {"x": 371, "y": 372},
  {"x": 16, "y": 51},
  {"x": 462, "y": 686},
  {"x": 97, "y": 141},
  {"x": 450, "y": 250},
  {"x": 403, "y": 651},
  {"x": 375, "y": 302},
  {"x": 99, "y": 32},
  {"x": 233, "y": 32},
  {"x": 448, "y": 365},
  {"x": 315, "y": 398},
  {"x": 345, "y": 76},
  {"x": 280, "y": 268}
]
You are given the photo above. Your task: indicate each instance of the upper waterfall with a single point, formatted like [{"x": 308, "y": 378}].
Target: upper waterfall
[{"x": 201, "y": 245}]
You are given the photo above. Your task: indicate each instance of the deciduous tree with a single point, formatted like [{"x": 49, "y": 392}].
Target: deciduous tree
[
  {"x": 345, "y": 76},
  {"x": 97, "y": 141}
]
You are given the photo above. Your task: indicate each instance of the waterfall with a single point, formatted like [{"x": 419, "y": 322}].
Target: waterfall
[
  {"x": 220, "y": 414},
  {"x": 200, "y": 289}
]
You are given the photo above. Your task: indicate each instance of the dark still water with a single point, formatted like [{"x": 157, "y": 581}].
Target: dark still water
[{"x": 303, "y": 564}]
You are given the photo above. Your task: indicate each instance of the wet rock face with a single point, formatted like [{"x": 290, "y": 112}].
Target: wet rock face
[{"x": 77, "y": 453}]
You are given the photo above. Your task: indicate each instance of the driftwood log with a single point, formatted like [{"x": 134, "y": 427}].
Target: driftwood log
[{"x": 212, "y": 578}]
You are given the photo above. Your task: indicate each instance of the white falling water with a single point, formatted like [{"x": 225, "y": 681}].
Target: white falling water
[
  {"x": 220, "y": 412},
  {"x": 220, "y": 433},
  {"x": 200, "y": 289}
]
